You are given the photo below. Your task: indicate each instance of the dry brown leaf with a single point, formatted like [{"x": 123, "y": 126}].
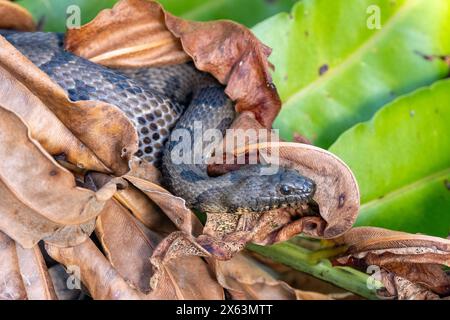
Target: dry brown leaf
[
  {"x": 15, "y": 17},
  {"x": 101, "y": 280},
  {"x": 245, "y": 279},
  {"x": 396, "y": 246},
  {"x": 33, "y": 270},
  {"x": 414, "y": 262},
  {"x": 39, "y": 198},
  {"x": 235, "y": 57},
  {"x": 145, "y": 210},
  {"x": 403, "y": 289},
  {"x": 131, "y": 34},
  {"x": 174, "y": 207},
  {"x": 11, "y": 284},
  {"x": 139, "y": 33},
  {"x": 76, "y": 129},
  {"x": 188, "y": 280},
  {"x": 127, "y": 244},
  {"x": 23, "y": 273},
  {"x": 430, "y": 276}
]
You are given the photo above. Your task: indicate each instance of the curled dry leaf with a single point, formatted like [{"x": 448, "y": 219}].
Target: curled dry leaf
[
  {"x": 131, "y": 34},
  {"x": 174, "y": 207},
  {"x": 11, "y": 284},
  {"x": 15, "y": 17},
  {"x": 235, "y": 57},
  {"x": 23, "y": 273},
  {"x": 402, "y": 289},
  {"x": 145, "y": 210},
  {"x": 337, "y": 192},
  {"x": 140, "y": 33},
  {"x": 416, "y": 248},
  {"x": 40, "y": 200},
  {"x": 129, "y": 246},
  {"x": 408, "y": 258},
  {"x": 100, "y": 278},
  {"x": 36, "y": 278},
  {"x": 245, "y": 279},
  {"x": 76, "y": 129}
]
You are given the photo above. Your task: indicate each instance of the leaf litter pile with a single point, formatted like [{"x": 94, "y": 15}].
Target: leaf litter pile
[{"x": 77, "y": 206}]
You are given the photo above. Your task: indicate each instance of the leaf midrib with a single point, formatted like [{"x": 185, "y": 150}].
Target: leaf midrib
[
  {"x": 405, "y": 189},
  {"x": 355, "y": 56}
]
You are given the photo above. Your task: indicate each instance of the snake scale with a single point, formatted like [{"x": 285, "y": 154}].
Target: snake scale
[{"x": 161, "y": 101}]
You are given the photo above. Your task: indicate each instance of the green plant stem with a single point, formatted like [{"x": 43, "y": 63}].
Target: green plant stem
[{"x": 306, "y": 261}]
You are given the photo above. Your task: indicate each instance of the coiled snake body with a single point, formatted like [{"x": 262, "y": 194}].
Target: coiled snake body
[{"x": 157, "y": 101}]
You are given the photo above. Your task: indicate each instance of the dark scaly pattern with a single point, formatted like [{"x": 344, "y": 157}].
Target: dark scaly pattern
[
  {"x": 154, "y": 100},
  {"x": 152, "y": 113}
]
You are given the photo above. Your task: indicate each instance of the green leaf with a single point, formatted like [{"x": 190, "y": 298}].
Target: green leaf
[
  {"x": 362, "y": 68},
  {"x": 248, "y": 12},
  {"x": 401, "y": 159},
  {"x": 54, "y": 13}
]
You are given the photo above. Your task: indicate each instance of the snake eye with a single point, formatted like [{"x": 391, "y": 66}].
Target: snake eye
[{"x": 284, "y": 189}]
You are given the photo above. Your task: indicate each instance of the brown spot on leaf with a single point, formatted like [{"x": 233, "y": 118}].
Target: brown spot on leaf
[
  {"x": 297, "y": 137},
  {"x": 323, "y": 69},
  {"x": 447, "y": 184}
]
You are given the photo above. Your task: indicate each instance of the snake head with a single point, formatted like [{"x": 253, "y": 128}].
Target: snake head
[{"x": 254, "y": 192}]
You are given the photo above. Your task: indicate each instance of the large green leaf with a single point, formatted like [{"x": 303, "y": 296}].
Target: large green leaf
[
  {"x": 248, "y": 12},
  {"x": 362, "y": 68},
  {"x": 401, "y": 159}
]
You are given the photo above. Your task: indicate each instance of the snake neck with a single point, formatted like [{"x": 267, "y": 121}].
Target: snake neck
[{"x": 200, "y": 128}]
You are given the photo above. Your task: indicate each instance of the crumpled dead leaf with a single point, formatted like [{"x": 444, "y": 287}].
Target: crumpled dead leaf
[
  {"x": 23, "y": 273},
  {"x": 412, "y": 264},
  {"x": 101, "y": 280},
  {"x": 129, "y": 245},
  {"x": 131, "y": 34},
  {"x": 370, "y": 243},
  {"x": 140, "y": 33},
  {"x": 401, "y": 288},
  {"x": 15, "y": 17},
  {"x": 39, "y": 199},
  {"x": 245, "y": 279},
  {"x": 174, "y": 207}
]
